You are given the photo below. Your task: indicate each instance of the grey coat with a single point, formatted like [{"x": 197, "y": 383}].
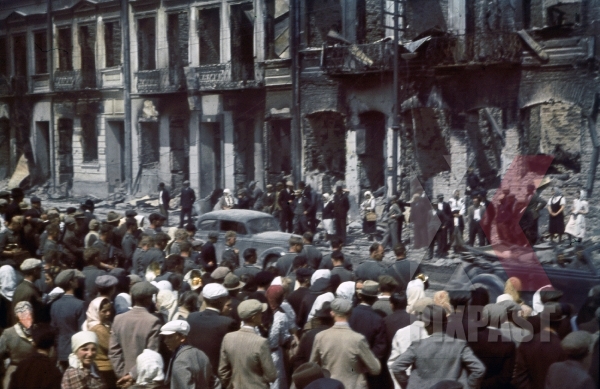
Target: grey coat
[
  {"x": 438, "y": 358},
  {"x": 191, "y": 369}
]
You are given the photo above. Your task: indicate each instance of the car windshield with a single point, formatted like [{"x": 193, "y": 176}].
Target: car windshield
[{"x": 262, "y": 224}]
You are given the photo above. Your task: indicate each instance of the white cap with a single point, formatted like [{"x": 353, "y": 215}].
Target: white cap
[
  {"x": 214, "y": 291},
  {"x": 180, "y": 326}
]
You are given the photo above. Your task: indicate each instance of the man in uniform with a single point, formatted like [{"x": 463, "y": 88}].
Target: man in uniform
[
  {"x": 249, "y": 267},
  {"x": 231, "y": 253}
]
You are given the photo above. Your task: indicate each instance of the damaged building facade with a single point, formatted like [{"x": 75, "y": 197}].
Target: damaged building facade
[{"x": 224, "y": 92}]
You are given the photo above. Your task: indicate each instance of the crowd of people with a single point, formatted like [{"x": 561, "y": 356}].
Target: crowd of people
[{"x": 116, "y": 303}]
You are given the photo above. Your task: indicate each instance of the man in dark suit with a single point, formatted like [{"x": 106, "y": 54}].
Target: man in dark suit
[
  {"x": 208, "y": 328},
  {"x": 208, "y": 254},
  {"x": 285, "y": 198},
  {"x": 399, "y": 317},
  {"x": 403, "y": 270},
  {"x": 444, "y": 214},
  {"x": 369, "y": 323},
  {"x": 163, "y": 201},
  {"x": 188, "y": 198},
  {"x": 285, "y": 262},
  {"x": 475, "y": 216},
  {"x": 341, "y": 206},
  {"x": 295, "y": 298}
]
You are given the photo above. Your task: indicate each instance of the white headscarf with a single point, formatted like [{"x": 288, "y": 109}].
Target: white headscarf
[
  {"x": 318, "y": 304},
  {"x": 150, "y": 367},
  {"x": 346, "y": 290},
  {"x": 93, "y": 314},
  {"x": 167, "y": 304},
  {"x": 538, "y": 306},
  {"x": 78, "y": 340},
  {"x": 164, "y": 285},
  {"x": 321, "y": 273},
  {"x": 8, "y": 282},
  {"x": 415, "y": 290}
]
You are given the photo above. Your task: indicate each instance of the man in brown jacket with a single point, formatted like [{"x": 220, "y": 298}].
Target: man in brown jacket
[
  {"x": 245, "y": 356},
  {"x": 345, "y": 353},
  {"x": 134, "y": 331}
]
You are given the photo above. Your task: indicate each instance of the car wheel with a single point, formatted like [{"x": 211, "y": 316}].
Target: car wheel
[
  {"x": 271, "y": 260},
  {"x": 492, "y": 283}
]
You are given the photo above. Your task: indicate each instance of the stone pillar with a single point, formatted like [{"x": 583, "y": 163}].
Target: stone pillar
[
  {"x": 164, "y": 169},
  {"x": 162, "y": 49},
  {"x": 510, "y": 150},
  {"x": 194, "y": 39},
  {"x": 352, "y": 172},
  {"x": 258, "y": 152},
  {"x": 228, "y": 151},
  {"x": 225, "y": 33},
  {"x": 194, "y": 136}
]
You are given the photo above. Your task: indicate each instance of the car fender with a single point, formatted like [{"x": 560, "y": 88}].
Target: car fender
[
  {"x": 491, "y": 282},
  {"x": 278, "y": 251}
]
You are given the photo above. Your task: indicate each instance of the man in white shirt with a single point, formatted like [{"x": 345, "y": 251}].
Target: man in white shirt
[
  {"x": 457, "y": 203},
  {"x": 474, "y": 217}
]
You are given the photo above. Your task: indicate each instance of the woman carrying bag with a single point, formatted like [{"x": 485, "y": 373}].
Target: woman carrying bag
[{"x": 369, "y": 215}]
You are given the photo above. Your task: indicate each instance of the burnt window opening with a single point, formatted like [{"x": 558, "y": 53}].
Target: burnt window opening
[
  {"x": 112, "y": 42},
  {"x": 89, "y": 138},
  {"x": 277, "y": 29},
  {"x": 242, "y": 42},
  {"x": 279, "y": 150},
  {"x": 209, "y": 30},
  {"x": 65, "y": 149},
  {"x": 328, "y": 136},
  {"x": 370, "y": 140},
  {"x": 322, "y": 17},
  {"x": 65, "y": 49},
  {"x": 146, "y": 35},
  {"x": 177, "y": 39},
  {"x": 361, "y": 21},
  {"x": 244, "y": 150},
  {"x": 150, "y": 145},
  {"x": 3, "y": 57},
  {"x": 20, "y": 55},
  {"x": 180, "y": 148},
  {"x": 87, "y": 44},
  {"x": 526, "y": 14},
  {"x": 41, "y": 52}
]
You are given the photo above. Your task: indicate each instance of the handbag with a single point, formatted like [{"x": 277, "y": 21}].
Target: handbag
[{"x": 371, "y": 216}]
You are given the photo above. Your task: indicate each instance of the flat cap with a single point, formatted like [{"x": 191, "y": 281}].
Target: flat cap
[
  {"x": 386, "y": 280},
  {"x": 30, "y": 263},
  {"x": 79, "y": 214},
  {"x": 35, "y": 199},
  {"x": 577, "y": 344},
  {"x": 186, "y": 182},
  {"x": 341, "y": 306},
  {"x": 219, "y": 273},
  {"x": 370, "y": 288},
  {"x": 93, "y": 224},
  {"x": 67, "y": 276},
  {"x": 106, "y": 281},
  {"x": 130, "y": 213},
  {"x": 213, "y": 234},
  {"x": 70, "y": 220},
  {"x": 232, "y": 282},
  {"x": 214, "y": 291},
  {"x": 307, "y": 373},
  {"x": 249, "y": 308},
  {"x": 176, "y": 326},
  {"x": 3, "y": 202},
  {"x": 143, "y": 289},
  {"x": 134, "y": 279}
]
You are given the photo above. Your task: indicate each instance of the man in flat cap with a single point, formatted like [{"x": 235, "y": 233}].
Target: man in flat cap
[
  {"x": 369, "y": 323},
  {"x": 343, "y": 352},
  {"x": 189, "y": 367},
  {"x": 134, "y": 331},
  {"x": 245, "y": 356},
  {"x": 27, "y": 290},
  {"x": 188, "y": 198},
  {"x": 449, "y": 358},
  {"x": 572, "y": 373},
  {"x": 219, "y": 274},
  {"x": 67, "y": 313},
  {"x": 211, "y": 321}
]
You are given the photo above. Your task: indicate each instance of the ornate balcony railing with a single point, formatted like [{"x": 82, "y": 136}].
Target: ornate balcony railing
[
  {"x": 354, "y": 59},
  {"x": 225, "y": 76},
  {"x": 111, "y": 77},
  {"x": 165, "y": 80},
  {"x": 74, "y": 80},
  {"x": 40, "y": 83}
]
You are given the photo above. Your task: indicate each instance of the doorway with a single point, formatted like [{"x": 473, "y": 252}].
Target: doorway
[
  {"x": 42, "y": 150},
  {"x": 211, "y": 168},
  {"x": 115, "y": 141},
  {"x": 65, "y": 151}
]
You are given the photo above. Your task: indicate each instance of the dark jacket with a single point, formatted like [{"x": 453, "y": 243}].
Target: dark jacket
[
  {"x": 367, "y": 322},
  {"x": 188, "y": 197},
  {"x": 497, "y": 354},
  {"x": 91, "y": 273},
  {"x": 313, "y": 256},
  {"x": 295, "y": 298},
  {"x": 229, "y": 254},
  {"x": 569, "y": 374},
  {"x": 208, "y": 253},
  {"x": 68, "y": 314},
  {"x": 27, "y": 291},
  {"x": 403, "y": 271},
  {"x": 341, "y": 205},
  {"x": 192, "y": 369},
  {"x": 370, "y": 269},
  {"x": 207, "y": 330},
  {"x": 342, "y": 273},
  {"x": 166, "y": 197},
  {"x": 534, "y": 359},
  {"x": 36, "y": 372},
  {"x": 284, "y": 264},
  {"x": 306, "y": 345},
  {"x": 397, "y": 320}
]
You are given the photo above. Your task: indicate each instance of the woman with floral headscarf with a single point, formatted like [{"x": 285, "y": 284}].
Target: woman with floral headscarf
[
  {"x": 16, "y": 342},
  {"x": 99, "y": 321},
  {"x": 279, "y": 333},
  {"x": 8, "y": 284},
  {"x": 82, "y": 372}
]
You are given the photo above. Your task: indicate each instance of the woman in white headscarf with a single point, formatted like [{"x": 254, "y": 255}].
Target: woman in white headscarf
[
  {"x": 99, "y": 321},
  {"x": 346, "y": 290},
  {"x": 8, "y": 284},
  {"x": 82, "y": 372},
  {"x": 166, "y": 303},
  {"x": 150, "y": 371},
  {"x": 369, "y": 215},
  {"x": 415, "y": 290},
  {"x": 576, "y": 225},
  {"x": 227, "y": 201}
]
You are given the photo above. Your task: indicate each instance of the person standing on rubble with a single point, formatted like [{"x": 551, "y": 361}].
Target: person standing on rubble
[
  {"x": 163, "y": 201},
  {"x": 188, "y": 198}
]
